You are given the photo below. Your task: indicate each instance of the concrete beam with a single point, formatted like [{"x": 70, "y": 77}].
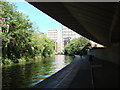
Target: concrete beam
[
  {"x": 92, "y": 20},
  {"x": 115, "y": 27},
  {"x": 111, "y": 54}
]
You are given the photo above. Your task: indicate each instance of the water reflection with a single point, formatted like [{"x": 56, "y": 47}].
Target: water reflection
[{"x": 22, "y": 76}]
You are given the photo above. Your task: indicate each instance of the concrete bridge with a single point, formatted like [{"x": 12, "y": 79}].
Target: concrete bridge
[{"x": 96, "y": 21}]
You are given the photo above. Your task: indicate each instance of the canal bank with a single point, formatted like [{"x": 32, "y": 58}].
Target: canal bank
[
  {"x": 84, "y": 72},
  {"x": 68, "y": 76},
  {"x": 29, "y": 74}
]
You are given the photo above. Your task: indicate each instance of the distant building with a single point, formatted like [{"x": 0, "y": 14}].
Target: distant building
[
  {"x": 68, "y": 34},
  {"x": 66, "y": 41},
  {"x": 3, "y": 28},
  {"x": 93, "y": 44},
  {"x": 40, "y": 33},
  {"x": 61, "y": 37},
  {"x": 55, "y": 35}
]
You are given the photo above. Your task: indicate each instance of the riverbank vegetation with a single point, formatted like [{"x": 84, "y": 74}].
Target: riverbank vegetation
[
  {"x": 77, "y": 46},
  {"x": 20, "y": 40}
]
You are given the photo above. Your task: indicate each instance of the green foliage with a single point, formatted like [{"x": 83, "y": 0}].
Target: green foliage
[
  {"x": 21, "y": 60},
  {"x": 76, "y": 46},
  {"x": 19, "y": 38},
  {"x": 42, "y": 44},
  {"x": 6, "y": 61}
]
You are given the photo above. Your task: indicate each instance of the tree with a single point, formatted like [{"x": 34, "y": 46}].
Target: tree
[
  {"x": 15, "y": 38},
  {"x": 42, "y": 45},
  {"x": 76, "y": 46},
  {"x": 19, "y": 38}
]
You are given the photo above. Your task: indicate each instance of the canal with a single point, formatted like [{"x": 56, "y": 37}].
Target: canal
[{"x": 29, "y": 74}]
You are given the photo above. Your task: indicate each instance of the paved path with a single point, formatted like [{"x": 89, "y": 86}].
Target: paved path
[
  {"x": 83, "y": 78},
  {"x": 106, "y": 74},
  {"x": 75, "y": 75},
  {"x": 84, "y": 74}
]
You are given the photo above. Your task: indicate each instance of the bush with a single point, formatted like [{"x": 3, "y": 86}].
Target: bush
[
  {"x": 21, "y": 60},
  {"x": 6, "y": 61},
  {"x": 77, "y": 46}
]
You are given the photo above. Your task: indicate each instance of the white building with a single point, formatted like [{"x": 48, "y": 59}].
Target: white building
[
  {"x": 56, "y": 36},
  {"x": 60, "y": 37},
  {"x": 52, "y": 34},
  {"x": 68, "y": 33}
]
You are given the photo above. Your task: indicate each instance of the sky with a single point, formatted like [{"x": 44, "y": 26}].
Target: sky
[{"x": 40, "y": 19}]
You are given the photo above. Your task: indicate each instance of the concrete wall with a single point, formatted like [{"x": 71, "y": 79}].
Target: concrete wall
[{"x": 111, "y": 53}]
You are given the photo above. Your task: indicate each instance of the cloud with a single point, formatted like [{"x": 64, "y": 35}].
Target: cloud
[{"x": 22, "y": 11}]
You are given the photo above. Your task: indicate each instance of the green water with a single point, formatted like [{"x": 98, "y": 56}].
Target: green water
[{"x": 29, "y": 74}]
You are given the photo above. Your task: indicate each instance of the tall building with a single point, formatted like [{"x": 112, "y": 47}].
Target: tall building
[
  {"x": 68, "y": 34},
  {"x": 56, "y": 36},
  {"x": 52, "y": 34},
  {"x": 61, "y": 37}
]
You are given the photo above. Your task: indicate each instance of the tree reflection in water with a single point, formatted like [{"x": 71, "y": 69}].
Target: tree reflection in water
[{"x": 23, "y": 76}]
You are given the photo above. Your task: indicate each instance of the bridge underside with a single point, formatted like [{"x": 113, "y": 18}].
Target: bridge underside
[
  {"x": 99, "y": 22},
  {"x": 96, "y": 21}
]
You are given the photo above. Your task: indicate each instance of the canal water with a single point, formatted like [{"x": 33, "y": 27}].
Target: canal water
[{"x": 29, "y": 74}]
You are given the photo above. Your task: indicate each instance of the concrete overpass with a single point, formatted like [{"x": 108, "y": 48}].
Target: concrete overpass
[{"x": 97, "y": 21}]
